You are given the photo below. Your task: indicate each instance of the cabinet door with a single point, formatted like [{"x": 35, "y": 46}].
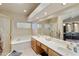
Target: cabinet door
[
  {"x": 52, "y": 53},
  {"x": 39, "y": 49},
  {"x": 33, "y": 44},
  {"x": 38, "y": 43},
  {"x": 44, "y": 48}
]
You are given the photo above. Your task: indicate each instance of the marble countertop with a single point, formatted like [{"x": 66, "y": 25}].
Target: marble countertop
[{"x": 57, "y": 45}]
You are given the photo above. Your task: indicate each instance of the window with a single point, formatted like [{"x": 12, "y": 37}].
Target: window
[{"x": 23, "y": 25}]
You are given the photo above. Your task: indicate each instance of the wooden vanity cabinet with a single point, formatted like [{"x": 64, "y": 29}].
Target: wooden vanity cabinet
[
  {"x": 45, "y": 48},
  {"x": 33, "y": 45},
  {"x": 52, "y": 53},
  {"x": 36, "y": 46},
  {"x": 38, "y": 43},
  {"x": 39, "y": 48}
]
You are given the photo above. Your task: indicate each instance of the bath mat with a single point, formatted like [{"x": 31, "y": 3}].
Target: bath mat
[{"x": 15, "y": 53}]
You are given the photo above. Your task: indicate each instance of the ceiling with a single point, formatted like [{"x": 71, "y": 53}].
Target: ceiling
[
  {"x": 54, "y": 9},
  {"x": 40, "y": 11},
  {"x": 18, "y": 8},
  {"x": 53, "y": 20}
]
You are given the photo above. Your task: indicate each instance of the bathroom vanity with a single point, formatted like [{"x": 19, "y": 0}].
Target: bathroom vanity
[
  {"x": 40, "y": 48},
  {"x": 50, "y": 46}
]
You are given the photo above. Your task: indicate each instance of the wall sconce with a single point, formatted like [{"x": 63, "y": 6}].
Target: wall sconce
[
  {"x": 75, "y": 24},
  {"x": 64, "y": 3},
  {"x": 0, "y": 3},
  {"x": 64, "y": 24},
  {"x": 68, "y": 25}
]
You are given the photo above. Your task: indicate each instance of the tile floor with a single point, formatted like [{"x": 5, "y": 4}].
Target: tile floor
[{"x": 25, "y": 48}]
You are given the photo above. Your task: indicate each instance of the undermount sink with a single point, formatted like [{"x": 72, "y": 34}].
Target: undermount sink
[
  {"x": 66, "y": 51},
  {"x": 61, "y": 48},
  {"x": 48, "y": 39}
]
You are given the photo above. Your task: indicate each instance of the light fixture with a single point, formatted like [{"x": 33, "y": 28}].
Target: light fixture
[
  {"x": 0, "y": 3},
  {"x": 75, "y": 24},
  {"x": 45, "y": 13},
  {"x": 64, "y": 3},
  {"x": 68, "y": 25},
  {"x": 64, "y": 24},
  {"x": 25, "y": 10}
]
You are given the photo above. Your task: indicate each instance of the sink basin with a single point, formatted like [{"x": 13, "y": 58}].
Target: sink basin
[
  {"x": 66, "y": 51},
  {"x": 48, "y": 39},
  {"x": 61, "y": 48}
]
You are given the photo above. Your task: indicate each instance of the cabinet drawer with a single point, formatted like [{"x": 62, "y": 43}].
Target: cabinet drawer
[
  {"x": 44, "y": 47},
  {"x": 38, "y": 43},
  {"x": 33, "y": 45},
  {"x": 52, "y": 53},
  {"x": 33, "y": 42}
]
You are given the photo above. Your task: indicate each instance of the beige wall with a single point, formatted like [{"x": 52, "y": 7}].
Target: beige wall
[{"x": 5, "y": 34}]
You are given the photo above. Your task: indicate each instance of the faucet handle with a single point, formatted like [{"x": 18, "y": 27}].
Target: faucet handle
[{"x": 75, "y": 49}]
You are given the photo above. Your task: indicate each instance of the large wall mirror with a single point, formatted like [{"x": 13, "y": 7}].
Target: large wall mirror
[{"x": 49, "y": 27}]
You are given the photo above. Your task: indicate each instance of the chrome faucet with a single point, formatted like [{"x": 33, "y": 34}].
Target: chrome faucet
[
  {"x": 71, "y": 46},
  {"x": 75, "y": 49}
]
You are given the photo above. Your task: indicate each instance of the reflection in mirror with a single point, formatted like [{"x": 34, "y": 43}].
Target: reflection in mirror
[
  {"x": 49, "y": 27},
  {"x": 71, "y": 29}
]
